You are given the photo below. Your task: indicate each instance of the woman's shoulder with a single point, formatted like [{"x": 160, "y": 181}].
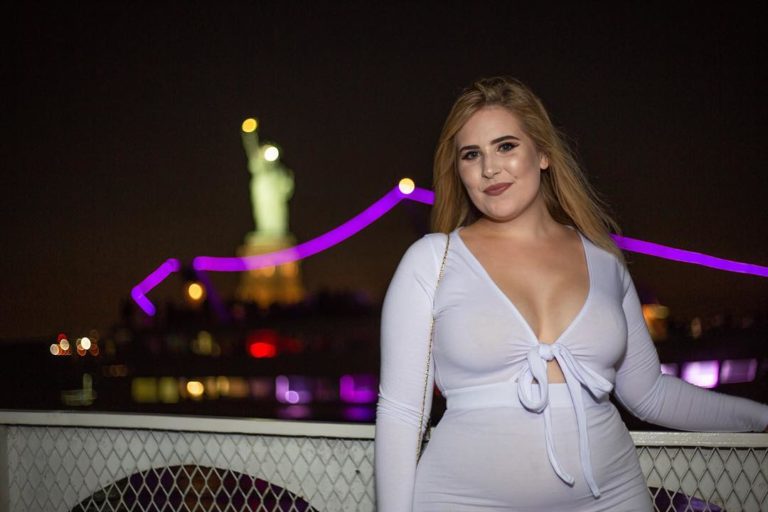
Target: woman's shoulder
[
  {"x": 606, "y": 263},
  {"x": 426, "y": 251}
]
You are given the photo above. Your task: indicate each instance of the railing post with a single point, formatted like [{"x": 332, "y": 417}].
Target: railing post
[{"x": 5, "y": 499}]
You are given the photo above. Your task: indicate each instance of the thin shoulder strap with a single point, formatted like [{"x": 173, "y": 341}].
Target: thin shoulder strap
[{"x": 429, "y": 351}]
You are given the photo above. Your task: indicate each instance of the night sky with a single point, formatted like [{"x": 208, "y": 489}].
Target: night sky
[{"x": 121, "y": 143}]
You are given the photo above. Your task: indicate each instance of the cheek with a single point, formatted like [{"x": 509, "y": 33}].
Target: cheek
[{"x": 466, "y": 177}]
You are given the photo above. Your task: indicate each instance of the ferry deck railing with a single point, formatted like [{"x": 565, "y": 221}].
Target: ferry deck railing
[{"x": 73, "y": 461}]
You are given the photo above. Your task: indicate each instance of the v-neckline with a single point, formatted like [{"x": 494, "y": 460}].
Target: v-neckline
[{"x": 512, "y": 305}]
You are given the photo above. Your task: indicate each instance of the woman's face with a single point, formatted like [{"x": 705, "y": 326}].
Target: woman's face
[{"x": 499, "y": 164}]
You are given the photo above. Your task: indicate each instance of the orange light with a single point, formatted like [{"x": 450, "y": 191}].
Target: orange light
[
  {"x": 250, "y": 125},
  {"x": 195, "y": 388},
  {"x": 195, "y": 292}
]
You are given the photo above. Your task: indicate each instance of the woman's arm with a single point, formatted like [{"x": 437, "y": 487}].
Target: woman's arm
[
  {"x": 669, "y": 401},
  {"x": 405, "y": 329}
]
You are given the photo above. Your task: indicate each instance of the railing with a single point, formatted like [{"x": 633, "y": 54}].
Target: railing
[{"x": 57, "y": 461}]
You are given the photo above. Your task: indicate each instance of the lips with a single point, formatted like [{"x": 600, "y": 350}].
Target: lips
[{"x": 495, "y": 190}]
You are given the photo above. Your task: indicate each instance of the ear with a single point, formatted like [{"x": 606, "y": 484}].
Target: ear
[{"x": 543, "y": 162}]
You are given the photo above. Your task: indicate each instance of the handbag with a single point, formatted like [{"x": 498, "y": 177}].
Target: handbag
[{"x": 424, "y": 437}]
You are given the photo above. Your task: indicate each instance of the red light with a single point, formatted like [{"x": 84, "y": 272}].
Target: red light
[
  {"x": 260, "y": 350},
  {"x": 262, "y": 343}
]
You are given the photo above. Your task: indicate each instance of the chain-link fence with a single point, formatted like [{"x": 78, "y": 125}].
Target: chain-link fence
[{"x": 87, "y": 462}]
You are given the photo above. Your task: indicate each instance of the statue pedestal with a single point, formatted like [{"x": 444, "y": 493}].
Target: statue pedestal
[{"x": 275, "y": 284}]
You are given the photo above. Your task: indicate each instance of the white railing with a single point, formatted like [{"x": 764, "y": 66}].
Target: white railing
[{"x": 61, "y": 461}]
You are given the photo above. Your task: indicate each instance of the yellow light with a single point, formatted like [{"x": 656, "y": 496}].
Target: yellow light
[
  {"x": 271, "y": 153},
  {"x": 222, "y": 384},
  {"x": 85, "y": 343},
  {"x": 210, "y": 387},
  {"x": 54, "y": 349},
  {"x": 203, "y": 343},
  {"x": 64, "y": 344},
  {"x": 250, "y": 125},
  {"x": 195, "y": 388},
  {"x": 144, "y": 389},
  {"x": 168, "y": 390},
  {"x": 195, "y": 291},
  {"x": 406, "y": 185}
]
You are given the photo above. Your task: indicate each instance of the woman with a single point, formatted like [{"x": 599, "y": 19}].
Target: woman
[{"x": 536, "y": 321}]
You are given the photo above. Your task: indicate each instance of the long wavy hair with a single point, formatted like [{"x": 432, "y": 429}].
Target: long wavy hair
[{"x": 568, "y": 196}]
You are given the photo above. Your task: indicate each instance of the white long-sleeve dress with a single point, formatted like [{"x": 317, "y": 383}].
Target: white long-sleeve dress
[{"x": 505, "y": 443}]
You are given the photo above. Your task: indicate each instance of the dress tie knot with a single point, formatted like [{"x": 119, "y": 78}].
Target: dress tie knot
[
  {"x": 546, "y": 352},
  {"x": 577, "y": 376}
]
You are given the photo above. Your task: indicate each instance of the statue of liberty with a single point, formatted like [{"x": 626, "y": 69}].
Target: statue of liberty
[
  {"x": 271, "y": 188},
  {"x": 271, "y": 184}
]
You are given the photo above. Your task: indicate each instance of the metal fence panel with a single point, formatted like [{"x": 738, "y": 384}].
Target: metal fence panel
[
  {"x": 98, "y": 468},
  {"x": 58, "y": 469}
]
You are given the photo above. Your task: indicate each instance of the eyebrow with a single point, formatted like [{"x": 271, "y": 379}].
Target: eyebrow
[{"x": 494, "y": 141}]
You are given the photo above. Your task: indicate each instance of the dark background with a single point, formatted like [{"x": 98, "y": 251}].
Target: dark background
[{"x": 121, "y": 143}]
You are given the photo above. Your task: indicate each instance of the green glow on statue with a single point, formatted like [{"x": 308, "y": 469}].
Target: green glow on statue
[{"x": 271, "y": 184}]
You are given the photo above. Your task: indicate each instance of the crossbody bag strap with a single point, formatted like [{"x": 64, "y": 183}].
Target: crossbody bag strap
[{"x": 429, "y": 351}]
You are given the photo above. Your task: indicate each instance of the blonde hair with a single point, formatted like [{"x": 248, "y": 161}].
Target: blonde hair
[{"x": 568, "y": 196}]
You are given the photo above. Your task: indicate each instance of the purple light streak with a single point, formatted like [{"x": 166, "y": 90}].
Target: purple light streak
[
  {"x": 301, "y": 251},
  {"x": 695, "y": 258},
  {"x": 373, "y": 213},
  {"x": 140, "y": 291}
]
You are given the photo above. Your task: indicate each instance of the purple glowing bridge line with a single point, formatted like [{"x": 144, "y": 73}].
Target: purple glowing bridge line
[
  {"x": 370, "y": 215},
  {"x": 695, "y": 258},
  {"x": 139, "y": 292},
  {"x": 319, "y": 244}
]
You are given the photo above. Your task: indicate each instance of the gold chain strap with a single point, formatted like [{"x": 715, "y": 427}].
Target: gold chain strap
[{"x": 429, "y": 352}]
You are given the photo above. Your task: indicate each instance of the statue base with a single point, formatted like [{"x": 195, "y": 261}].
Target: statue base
[{"x": 270, "y": 285}]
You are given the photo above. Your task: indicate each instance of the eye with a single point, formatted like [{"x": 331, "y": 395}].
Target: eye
[
  {"x": 507, "y": 146},
  {"x": 469, "y": 155}
]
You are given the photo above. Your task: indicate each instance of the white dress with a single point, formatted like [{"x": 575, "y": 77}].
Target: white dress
[{"x": 505, "y": 443}]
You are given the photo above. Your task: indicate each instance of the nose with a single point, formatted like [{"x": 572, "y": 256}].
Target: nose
[{"x": 490, "y": 169}]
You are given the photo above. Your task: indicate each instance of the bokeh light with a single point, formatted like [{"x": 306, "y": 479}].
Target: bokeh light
[
  {"x": 271, "y": 153},
  {"x": 406, "y": 185},
  {"x": 195, "y": 388},
  {"x": 250, "y": 125}
]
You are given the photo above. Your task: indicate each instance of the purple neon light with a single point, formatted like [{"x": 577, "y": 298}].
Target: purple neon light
[
  {"x": 370, "y": 215},
  {"x": 696, "y": 258},
  {"x": 139, "y": 292},
  {"x": 701, "y": 373},
  {"x": 421, "y": 195},
  {"x": 319, "y": 244},
  {"x": 734, "y": 371},
  {"x": 358, "y": 389},
  {"x": 359, "y": 413},
  {"x": 292, "y": 390}
]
